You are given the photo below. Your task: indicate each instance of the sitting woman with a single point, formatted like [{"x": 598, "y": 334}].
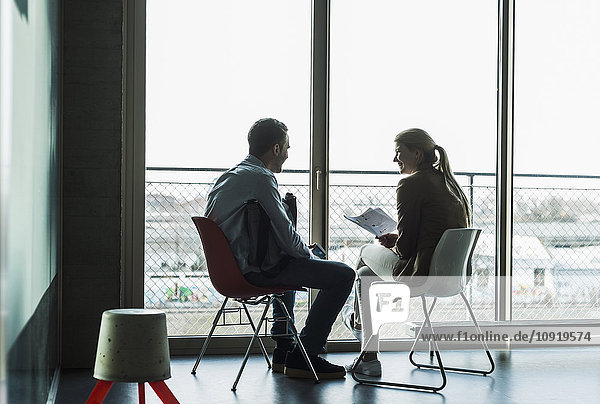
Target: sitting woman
[{"x": 429, "y": 201}]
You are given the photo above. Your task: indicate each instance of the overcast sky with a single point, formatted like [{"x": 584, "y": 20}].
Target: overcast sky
[{"x": 213, "y": 68}]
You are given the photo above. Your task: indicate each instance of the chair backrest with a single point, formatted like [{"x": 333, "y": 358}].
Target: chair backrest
[
  {"x": 223, "y": 269},
  {"x": 448, "y": 271}
]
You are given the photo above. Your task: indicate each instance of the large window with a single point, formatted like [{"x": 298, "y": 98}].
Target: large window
[
  {"x": 556, "y": 271},
  {"x": 213, "y": 69},
  {"x": 397, "y": 65}
]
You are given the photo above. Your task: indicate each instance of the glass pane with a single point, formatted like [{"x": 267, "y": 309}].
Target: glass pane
[
  {"x": 556, "y": 217},
  {"x": 401, "y": 64},
  {"x": 213, "y": 69}
]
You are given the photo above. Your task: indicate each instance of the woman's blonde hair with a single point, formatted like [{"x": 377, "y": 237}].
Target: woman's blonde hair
[{"x": 419, "y": 139}]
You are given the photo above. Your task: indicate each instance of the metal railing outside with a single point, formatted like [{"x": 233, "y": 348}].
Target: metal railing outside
[{"x": 556, "y": 254}]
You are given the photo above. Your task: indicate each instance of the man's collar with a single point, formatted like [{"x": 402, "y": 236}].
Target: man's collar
[{"x": 254, "y": 160}]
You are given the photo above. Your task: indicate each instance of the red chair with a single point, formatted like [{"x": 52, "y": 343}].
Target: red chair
[{"x": 228, "y": 280}]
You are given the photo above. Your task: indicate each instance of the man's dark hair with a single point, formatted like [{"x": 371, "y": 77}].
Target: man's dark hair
[{"x": 264, "y": 134}]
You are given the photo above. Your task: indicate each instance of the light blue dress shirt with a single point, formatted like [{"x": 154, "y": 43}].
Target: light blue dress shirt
[{"x": 250, "y": 179}]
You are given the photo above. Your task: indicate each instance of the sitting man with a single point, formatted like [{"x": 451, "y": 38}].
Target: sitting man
[{"x": 288, "y": 261}]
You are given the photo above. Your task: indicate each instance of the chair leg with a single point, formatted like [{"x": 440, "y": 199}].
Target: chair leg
[
  {"x": 404, "y": 385},
  {"x": 298, "y": 340},
  {"x": 429, "y": 344},
  {"x": 254, "y": 337},
  {"x": 212, "y": 330},
  {"x": 464, "y": 370},
  {"x": 262, "y": 346},
  {"x": 141, "y": 393},
  {"x": 485, "y": 346},
  {"x": 427, "y": 313},
  {"x": 436, "y": 351}
]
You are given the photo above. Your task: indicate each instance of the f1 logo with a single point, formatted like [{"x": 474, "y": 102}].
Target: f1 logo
[
  {"x": 383, "y": 301},
  {"x": 389, "y": 303}
]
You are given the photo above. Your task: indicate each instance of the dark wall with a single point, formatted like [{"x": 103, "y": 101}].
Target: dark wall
[
  {"x": 92, "y": 90},
  {"x": 33, "y": 357}
]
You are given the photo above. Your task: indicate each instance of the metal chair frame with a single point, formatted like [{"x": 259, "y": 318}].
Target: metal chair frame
[
  {"x": 267, "y": 300},
  {"x": 244, "y": 293},
  {"x": 409, "y": 386},
  {"x": 454, "y": 369}
]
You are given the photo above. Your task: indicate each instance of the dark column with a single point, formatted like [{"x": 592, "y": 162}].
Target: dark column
[{"x": 92, "y": 138}]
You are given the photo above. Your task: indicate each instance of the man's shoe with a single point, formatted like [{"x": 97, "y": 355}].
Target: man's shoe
[
  {"x": 367, "y": 368},
  {"x": 348, "y": 319},
  {"x": 295, "y": 366},
  {"x": 278, "y": 362}
]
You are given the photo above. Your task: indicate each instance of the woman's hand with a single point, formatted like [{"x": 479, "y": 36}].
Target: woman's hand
[{"x": 388, "y": 240}]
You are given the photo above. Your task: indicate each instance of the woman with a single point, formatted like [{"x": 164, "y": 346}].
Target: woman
[{"x": 429, "y": 201}]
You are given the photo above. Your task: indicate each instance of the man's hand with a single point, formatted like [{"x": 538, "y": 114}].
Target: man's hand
[
  {"x": 316, "y": 251},
  {"x": 388, "y": 240}
]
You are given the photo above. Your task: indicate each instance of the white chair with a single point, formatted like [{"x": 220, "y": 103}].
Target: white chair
[{"x": 448, "y": 276}]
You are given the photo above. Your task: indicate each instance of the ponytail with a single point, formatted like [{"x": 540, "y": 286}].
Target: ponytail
[{"x": 443, "y": 165}]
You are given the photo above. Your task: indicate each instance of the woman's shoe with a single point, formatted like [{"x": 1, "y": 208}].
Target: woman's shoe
[{"x": 368, "y": 368}]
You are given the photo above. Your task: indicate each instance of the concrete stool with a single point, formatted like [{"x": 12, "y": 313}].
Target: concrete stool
[{"x": 133, "y": 347}]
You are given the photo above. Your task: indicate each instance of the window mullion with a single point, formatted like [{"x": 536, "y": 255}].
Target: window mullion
[{"x": 504, "y": 174}]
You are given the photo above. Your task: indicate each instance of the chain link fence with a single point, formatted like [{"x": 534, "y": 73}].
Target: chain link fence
[
  {"x": 556, "y": 253},
  {"x": 346, "y": 240},
  {"x": 176, "y": 276}
]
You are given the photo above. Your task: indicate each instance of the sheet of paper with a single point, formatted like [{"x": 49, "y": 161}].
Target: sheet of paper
[{"x": 376, "y": 221}]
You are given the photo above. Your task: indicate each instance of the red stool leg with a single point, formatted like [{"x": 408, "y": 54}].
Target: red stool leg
[
  {"x": 99, "y": 393},
  {"x": 142, "y": 393},
  {"x": 163, "y": 392}
]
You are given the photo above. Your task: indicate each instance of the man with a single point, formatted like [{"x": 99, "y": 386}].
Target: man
[{"x": 288, "y": 261}]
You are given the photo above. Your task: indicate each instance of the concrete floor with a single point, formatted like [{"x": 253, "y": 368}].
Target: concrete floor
[{"x": 559, "y": 375}]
